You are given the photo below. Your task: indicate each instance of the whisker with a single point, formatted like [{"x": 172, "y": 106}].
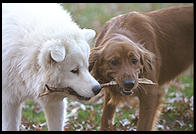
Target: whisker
[
  {"x": 142, "y": 89},
  {"x": 139, "y": 89}
]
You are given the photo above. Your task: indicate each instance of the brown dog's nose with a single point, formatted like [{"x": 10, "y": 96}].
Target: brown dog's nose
[
  {"x": 96, "y": 89},
  {"x": 128, "y": 83}
]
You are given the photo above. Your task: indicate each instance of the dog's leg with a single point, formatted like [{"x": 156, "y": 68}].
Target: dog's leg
[
  {"x": 149, "y": 108},
  {"x": 11, "y": 114},
  {"x": 54, "y": 113},
  {"x": 110, "y": 104}
]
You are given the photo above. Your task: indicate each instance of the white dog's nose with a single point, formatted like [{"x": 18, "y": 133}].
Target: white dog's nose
[{"x": 96, "y": 89}]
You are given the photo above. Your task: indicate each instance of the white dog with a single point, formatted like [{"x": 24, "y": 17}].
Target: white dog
[{"x": 42, "y": 45}]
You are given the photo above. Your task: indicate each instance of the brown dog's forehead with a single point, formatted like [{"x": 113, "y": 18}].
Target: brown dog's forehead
[{"x": 119, "y": 48}]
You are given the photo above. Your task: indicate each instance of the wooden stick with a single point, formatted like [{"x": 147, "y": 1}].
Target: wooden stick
[
  {"x": 146, "y": 81},
  {"x": 51, "y": 90},
  {"x": 111, "y": 83},
  {"x": 140, "y": 80}
]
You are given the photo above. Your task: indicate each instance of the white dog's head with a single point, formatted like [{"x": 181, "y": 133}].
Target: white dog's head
[{"x": 65, "y": 64}]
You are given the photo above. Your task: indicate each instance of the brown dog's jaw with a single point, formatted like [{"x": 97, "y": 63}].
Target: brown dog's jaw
[
  {"x": 123, "y": 85},
  {"x": 126, "y": 92},
  {"x": 123, "y": 91}
]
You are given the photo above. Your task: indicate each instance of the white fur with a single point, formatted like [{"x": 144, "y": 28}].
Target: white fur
[
  {"x": 57, "y": 52},
  {"x": 41, "y": 45}
]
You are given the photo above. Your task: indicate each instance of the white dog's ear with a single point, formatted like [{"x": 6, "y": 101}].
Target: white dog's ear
[
  {"x": 89, "y": 34},
  {"x": 57, "y": 53},
  {"x": 51, "y": 50}
]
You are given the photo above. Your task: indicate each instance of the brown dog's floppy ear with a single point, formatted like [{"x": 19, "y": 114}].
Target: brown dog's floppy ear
[
  {"x": 93, "y": 58},
  {"x": 147, "y": 58}
]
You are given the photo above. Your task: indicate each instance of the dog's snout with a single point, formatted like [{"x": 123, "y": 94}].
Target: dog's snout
[
  {"x": 96, "y": 89},
  {"x": 128, "y": 83}
]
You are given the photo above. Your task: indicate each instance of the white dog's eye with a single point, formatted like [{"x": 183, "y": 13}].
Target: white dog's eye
[{"x": 75, "y": 71}]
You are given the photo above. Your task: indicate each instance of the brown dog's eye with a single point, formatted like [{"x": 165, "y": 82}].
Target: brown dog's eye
[
  {"x": 114, "y": 62},
  {"x": 134, "y": 61}
]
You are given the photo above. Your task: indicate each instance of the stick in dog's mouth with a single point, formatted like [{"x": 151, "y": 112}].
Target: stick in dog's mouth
[
  {"x": 66, "y": 90},
  {"x": 140, "y": 80},
  {"x": 50, "y": 90}
]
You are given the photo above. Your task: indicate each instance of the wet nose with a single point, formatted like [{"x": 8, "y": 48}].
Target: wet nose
[
  {"x": 128, "y": 83},
  {"x": 96, "y": 89}
]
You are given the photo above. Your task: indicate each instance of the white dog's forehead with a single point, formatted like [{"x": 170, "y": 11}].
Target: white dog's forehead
[
  {"x": 78, "y": 60},
  {"x": 78, "y": 44},
  {"x": 77, "y": 57}
]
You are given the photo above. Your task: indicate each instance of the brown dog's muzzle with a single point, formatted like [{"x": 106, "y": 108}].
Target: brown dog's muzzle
[{"x": 128, "y": 84}]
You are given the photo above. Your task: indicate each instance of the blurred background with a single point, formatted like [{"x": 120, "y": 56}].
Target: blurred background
[
  {"x": 177, "y": 113},
  {"x": 94, "y": 15}
]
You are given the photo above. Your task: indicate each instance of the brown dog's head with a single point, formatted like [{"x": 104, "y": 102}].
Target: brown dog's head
[{"x": 121, "y": 60}]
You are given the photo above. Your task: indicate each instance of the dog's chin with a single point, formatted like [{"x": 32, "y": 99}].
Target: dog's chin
[
  {"x": 124, "y": 92},
  {"x": 75, "y": 96}
]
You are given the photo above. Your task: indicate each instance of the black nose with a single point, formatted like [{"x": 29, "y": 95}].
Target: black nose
[
  {"x": 96, "y": 89},
  {"x": 128, "y": 83}
]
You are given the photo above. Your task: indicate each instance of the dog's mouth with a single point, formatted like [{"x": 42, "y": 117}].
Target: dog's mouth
[
  {"x": 124, "y": 91},
  {"x": 74, "y": 93},
  {"x": 128, "y": 91},
  {"x": 65, "y": 91},
  {"x": 121, "y": 89}
]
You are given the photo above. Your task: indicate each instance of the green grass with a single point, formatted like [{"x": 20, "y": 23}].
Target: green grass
[
  {"x": 187, "y": 80},
  {"x": 30, "y": 116},
  {"x": 33, "y": 116}
]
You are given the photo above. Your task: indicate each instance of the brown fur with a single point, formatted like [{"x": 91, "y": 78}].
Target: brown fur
[{"x": 161, "y": 41}]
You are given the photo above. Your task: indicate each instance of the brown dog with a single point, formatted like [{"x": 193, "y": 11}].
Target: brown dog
[{"x": 156, "y": 45}]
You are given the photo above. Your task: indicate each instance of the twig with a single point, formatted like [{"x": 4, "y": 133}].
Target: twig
[
  {"x": 146, "y": 81},
  {"x": 111, "y": 83},
  {"x": 140, "y": 80},
  {"x": 51, "y": 90}
]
